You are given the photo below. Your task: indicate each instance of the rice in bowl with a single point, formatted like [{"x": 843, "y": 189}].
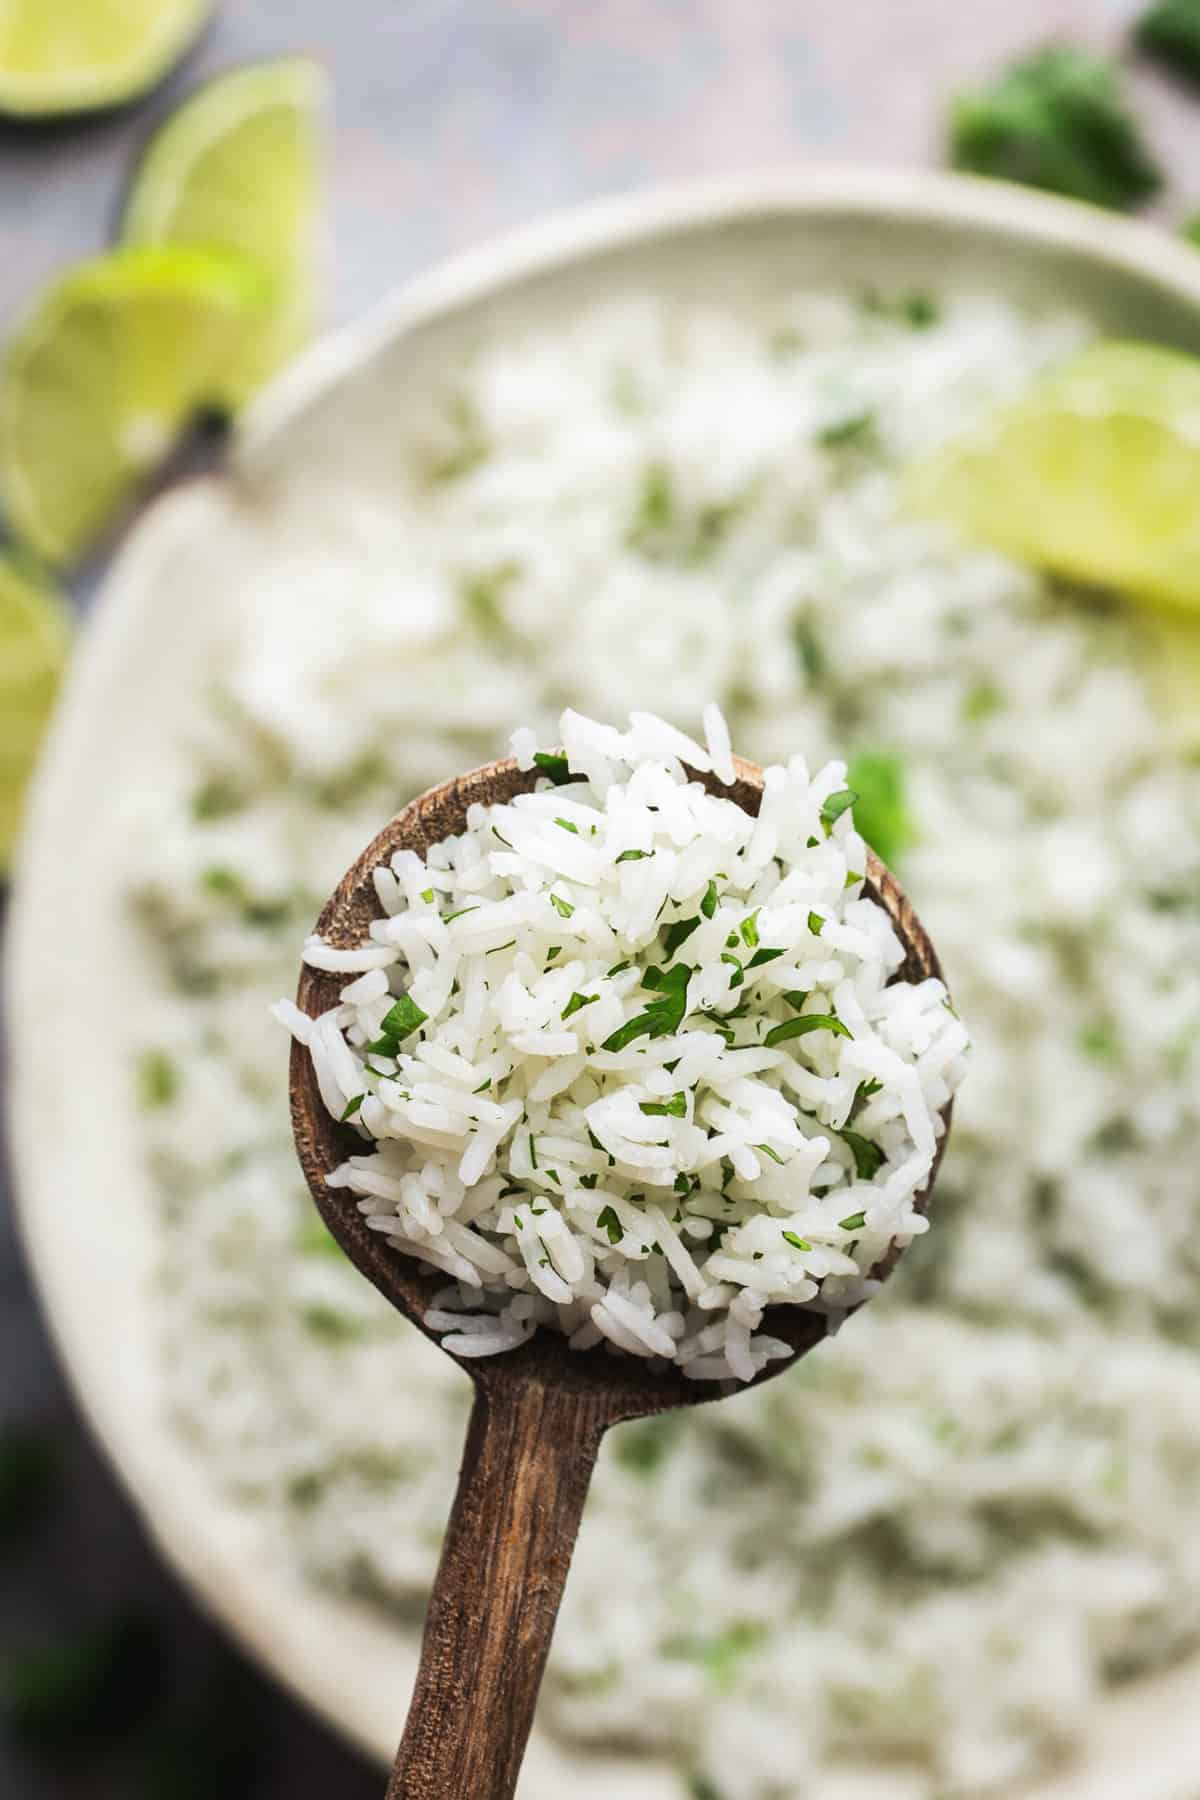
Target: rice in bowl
[{"x": 940, "y": 1543}]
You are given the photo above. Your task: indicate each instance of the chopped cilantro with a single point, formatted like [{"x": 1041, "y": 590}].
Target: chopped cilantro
[
  {"x": 552, "y": 952},
  {"x": 764, "y": 956},
  {"x": 795, "y": 1028},
  {"x": 881, "y": 811},
  {"x": 483, "y": 1086},
  {"x": 618, "y": 969},
  {"x": 634, "y": 855},
  {"x": 749, "y": 929},
  {"x": 157, "y": 1078},
  {"x": 678, "y": 934},
  {"x": 352, "y": 1107},
  {"x": 836, "y": 805},
  {"x": 795, "y": 998},
  {"x": 427, "y": 896},
  {"x": 563, "y": 908},
  {"x": 853, "y": 1221},
  {"x": 608, "y": 1221},
  {"x": 816, "y": 924},
  {"x": 855, "y": 429},
  {"x": 588, "y": 1181},
  {"x": 567, "y": 826},
  {"x": 403, "y": 1019},
  {"x": 497, "y": 948},
  {"x": 1057, "y": 119},
  {"x": 773, "y": 1154},
  {"x": 461, "y": 913},
  {"x": 555, "y": 768},
  {"x": 739, "y": 975},
  {"x": 708, "y": 905},
  {"x": 868, "y": 1157},
  {"x": 533, "y": 1161},
  {"x": 576, "y": 1002},
  {"x": 1170, "y": 31},
  {"x": 674, "y": 1108},
  {"x": 662, "y": 1017},
  {"x": 682, "y": 1184},
  {"x": 789, "y": 1237}
]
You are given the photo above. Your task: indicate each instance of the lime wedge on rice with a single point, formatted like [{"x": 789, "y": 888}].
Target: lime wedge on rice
[
  {"x": 237, "y": 168},
  {"x": 66, "y": 56},
  {"x": 1094, "y": 473},
  {"x": 35, "y": 635},
  {"x": 117, "y": 358}
]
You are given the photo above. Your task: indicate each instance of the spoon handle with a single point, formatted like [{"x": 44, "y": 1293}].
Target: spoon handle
[{"x": 529, "y": 1456}]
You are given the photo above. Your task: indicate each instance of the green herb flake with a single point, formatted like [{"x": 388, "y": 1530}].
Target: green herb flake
[
  {"x": 554, "y": 951},
  {"x": 678, "y": 934},
  {"x": 708, "y": 905},
  {"x": 483, "y": 1086},
  {"x": 403, "y": 1019},
  {"x": 427, "y": 896},
  {"x": 618, "y": 969},
  {"x": 567, "y": 826},
  {"x": 634, "y": 855},
  {"x": 881, "y": 812},
  {"x": 608, "y": 1221},
  {"x": 853, "y": 1222},
  {"x": 682, "y": 1184},
  {"x": 766, "y": 1150},
  {"x": 868, "y": 1157},
  {"x": 497, "y": 948},
  {"x": 563, "y": 908},
  {"x": 737, "y": 978},
  {"x": 797, "y": 1028},
  {"x": 674, "y": 1108},
  {"x": 816, "y": 924},
  {"x": 799, "y": 1243},
  {"x": 1058, "y": 120},
  {"x": 460, "y": 914},
  {"x": 764, "y": 956},
  {"x": 663, "y": 1017},
  {"x": 748, "y": 929},
  {"x": 352, "y": 1107},
  {"x": 588, "y": 1181},
  {"x": 576, "y": 1002},
  {"x": 854, "y": 431},
  {"x": 555, "y": 768},
  {"x": 836, "y": 805},
  {"x": 158, "y": 1079},
  {"x": 795, "y": 998},
  {"x": 1169, "y": 31}
]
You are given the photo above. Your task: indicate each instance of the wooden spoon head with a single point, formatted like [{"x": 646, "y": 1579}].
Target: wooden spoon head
[{"x": 623, "y": 1386}]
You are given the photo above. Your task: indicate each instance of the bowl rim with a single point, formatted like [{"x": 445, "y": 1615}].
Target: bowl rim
[{"x": 549, "y": 245}]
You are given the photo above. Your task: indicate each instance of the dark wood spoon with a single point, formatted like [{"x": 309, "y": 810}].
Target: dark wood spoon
[{"x": 540, "y": 1411}]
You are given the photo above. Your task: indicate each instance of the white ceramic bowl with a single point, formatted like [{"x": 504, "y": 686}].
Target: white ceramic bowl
[{"x": 192, "y": 564}]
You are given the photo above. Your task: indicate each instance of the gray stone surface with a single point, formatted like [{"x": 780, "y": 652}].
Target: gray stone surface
[{"x": 453, "y": 118}]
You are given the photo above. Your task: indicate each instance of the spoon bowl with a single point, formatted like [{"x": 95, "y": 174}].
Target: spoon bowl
[{"x": 540, "y": 1410}]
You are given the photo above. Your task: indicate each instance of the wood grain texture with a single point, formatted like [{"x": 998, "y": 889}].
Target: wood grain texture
[
  {"x": 528, "y": 1461},
  {"x": 541, "y": 1410}
]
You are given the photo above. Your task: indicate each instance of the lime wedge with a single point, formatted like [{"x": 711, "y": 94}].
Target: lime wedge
[
  {"x": 35, "y": 634},
  {"x": 237, "y": 168},
  {"x": 1094, "y": 473},
  {"x": 65, "y": 56},
  {"x": 116, "y": 359}
]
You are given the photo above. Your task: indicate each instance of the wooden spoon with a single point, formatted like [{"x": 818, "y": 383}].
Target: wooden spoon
[{"x": 540, "y": 1411}]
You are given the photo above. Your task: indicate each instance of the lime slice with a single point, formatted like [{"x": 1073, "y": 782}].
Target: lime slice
[
  {"x": 65, "y": 56},
  {"x": 1094, "y": 473},
  {"x": 35, "y": 634},
  {"x": 237, "y": 168},
  {"x": 117, "y": 358}
]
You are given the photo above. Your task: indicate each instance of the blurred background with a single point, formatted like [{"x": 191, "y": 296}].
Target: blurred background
[{"x": 451, "y": 119}]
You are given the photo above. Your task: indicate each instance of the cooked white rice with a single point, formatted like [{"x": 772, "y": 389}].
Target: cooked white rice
[
  {"x": 939, "y": 1543},
  {"x": 635, "y": 1062}
]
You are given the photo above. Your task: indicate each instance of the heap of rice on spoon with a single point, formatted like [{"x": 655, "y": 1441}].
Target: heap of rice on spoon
[{"x": 633, "y": 1064}]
